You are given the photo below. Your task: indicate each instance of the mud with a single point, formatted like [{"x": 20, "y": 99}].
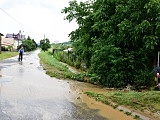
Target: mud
[{"x": 104, "y": 110}]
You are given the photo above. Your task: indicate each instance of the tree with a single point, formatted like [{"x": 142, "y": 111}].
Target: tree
[
  {"x": 45, "y": 44},
  {"x": 117, "y": 39},
  {"x": 81, "y": 38},
  {"x": 29, "y": 44},
  {"x": 28, "y": 38}
]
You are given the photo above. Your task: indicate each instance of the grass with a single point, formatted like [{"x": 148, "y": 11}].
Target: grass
[
  {"x": 143, "y": 101},
  {"x": 5, "y": 55},
  {"x": 149, "y": 100},
  {"x": 98, "y": 97},
  {"x": 53, "y": 67},
  {"x": 137, "y": 117}
]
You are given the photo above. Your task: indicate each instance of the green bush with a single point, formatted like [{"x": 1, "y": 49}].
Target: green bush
[
  {"x": 117, "y": 40},
  {"x": 77, "y": 64}
]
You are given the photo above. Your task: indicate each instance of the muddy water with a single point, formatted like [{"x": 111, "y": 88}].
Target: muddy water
[
  {"x": 27, "y": 93},
  {"x": 104, "y": 110}
]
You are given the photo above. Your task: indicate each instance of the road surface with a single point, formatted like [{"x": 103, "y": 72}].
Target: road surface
[{"x": 27, "y": 93}]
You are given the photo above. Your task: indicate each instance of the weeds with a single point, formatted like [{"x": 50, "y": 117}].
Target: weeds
[
  {"x": 137, "y": 117},
  {"x": 128, "y": 113},
  {"x": 98, "y": 97}
]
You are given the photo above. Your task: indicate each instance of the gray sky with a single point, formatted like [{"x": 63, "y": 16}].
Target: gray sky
[{"x": 36, "y": 18}]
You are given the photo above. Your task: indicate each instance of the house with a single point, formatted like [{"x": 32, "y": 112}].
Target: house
[
  {"x": 17, "y": 37},
  {"x": 13, "y": 40},
  {"x": 8, "y": 42}
]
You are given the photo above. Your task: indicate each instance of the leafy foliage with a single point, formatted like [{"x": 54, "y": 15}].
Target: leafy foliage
[
  {"x": 28, "y": 44},
  {"x": 45, "y": 44},
  {"x": 116, "y": 39}
]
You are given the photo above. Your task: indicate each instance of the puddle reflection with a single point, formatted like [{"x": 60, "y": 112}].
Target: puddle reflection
[{"x": 21, "y": 63}]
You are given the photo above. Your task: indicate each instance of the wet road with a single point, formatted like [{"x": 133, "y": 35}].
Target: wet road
[{"x": 27, "y": 93}]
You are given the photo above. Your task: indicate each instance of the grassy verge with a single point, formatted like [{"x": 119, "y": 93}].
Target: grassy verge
[
  {"x": 53, "y": 67},
  {"x": 5, "y": 55},
  {"x": 148, "y": 101}
]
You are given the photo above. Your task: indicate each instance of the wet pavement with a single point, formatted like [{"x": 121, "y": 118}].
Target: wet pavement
[{"x": 27, "y": 93}]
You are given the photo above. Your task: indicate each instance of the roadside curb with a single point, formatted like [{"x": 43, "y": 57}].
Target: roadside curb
[{"x": 133, "y": 113}]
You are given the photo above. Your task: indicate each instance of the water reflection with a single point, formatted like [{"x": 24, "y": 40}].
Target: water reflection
[
  {"x": 21, "y": 63},
  {"x": 30, "y": 94}
]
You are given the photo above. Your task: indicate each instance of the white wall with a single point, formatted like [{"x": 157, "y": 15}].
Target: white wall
[{"x": 9, "y": 42}]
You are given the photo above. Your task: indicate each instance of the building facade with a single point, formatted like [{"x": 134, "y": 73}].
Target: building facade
[{"x": 13, "y": 40}]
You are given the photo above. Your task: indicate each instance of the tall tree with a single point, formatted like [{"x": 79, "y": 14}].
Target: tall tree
[
  {"x": 81, "y": 37},
  {"x": 117, "y": 39}
]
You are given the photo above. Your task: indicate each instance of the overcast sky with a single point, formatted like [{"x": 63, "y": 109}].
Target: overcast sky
[{"x": 36, "y": 18}]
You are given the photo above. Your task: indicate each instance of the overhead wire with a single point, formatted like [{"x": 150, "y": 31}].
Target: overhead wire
[
  {"x": 11, "y": 17},
  {"x": 16, "y": 20}
]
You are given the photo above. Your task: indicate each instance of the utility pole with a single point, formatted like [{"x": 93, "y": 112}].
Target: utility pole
[
  {"x": 19, "y": 36},
  {"x": 158, "y": 58},
  {"x": 44, "y": 37},
  {"x": 0, "y": 41}
]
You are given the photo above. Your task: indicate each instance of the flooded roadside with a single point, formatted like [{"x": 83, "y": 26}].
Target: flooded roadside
[
  {"x": 81, "y": 87},
  {"x": 104, "y": 110},
  {"x": 27, "y": 93}
]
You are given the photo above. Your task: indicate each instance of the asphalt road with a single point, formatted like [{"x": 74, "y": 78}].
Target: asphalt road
[{"x": 27, "y": 93}]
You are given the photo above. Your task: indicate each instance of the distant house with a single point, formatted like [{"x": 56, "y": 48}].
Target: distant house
[
  {"x": 17, "y": 37},
  {"x": 8, "y": 42},
  {"x": 13, "y": 40}
]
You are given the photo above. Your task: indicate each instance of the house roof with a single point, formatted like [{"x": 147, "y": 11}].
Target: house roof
[
  {"x": 9, "y": 36},
  {"x": 15, "y": 36}
]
